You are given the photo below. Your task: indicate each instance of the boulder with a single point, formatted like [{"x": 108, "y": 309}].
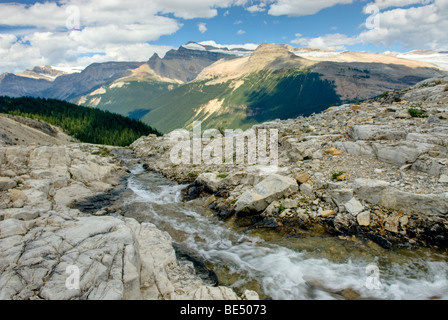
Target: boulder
[
  {"x": 7, "y": 183},
  {"x": 370, "y": 190},
  {"x": 375, "y": 132},
  {"x": 274, "y": 187},
  {"x": 401, "y": 153},
  {"x": 210, "y": 181}
]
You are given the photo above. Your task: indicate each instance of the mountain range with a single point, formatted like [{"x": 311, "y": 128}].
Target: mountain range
[{"x": 231, "y": 87}]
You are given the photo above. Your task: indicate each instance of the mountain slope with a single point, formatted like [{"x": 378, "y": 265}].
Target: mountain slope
[
  {"x": 230, "y": 87},
  {"x": 276, "y": 81},
  {"x": 86, "y": 124},
  {"x": 15, "y": 130},
  {"x": 258, "y": 97},
  {"x": 188, "y": 61}
]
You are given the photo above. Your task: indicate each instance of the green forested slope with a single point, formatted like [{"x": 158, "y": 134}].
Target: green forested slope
[
  {"x": 83, "y": 123},
  {"x": 263, "y": 96}
]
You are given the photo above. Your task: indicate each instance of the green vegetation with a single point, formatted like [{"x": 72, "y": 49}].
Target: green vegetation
[
  {"x": 336, "y": 175},
  {"x": 417, "y": 113},
  {"x": 263, "y": 96},
  {"x": 281, "y": 208},
  {"x": 85, "y": 124},
  {"x": 103, "y": 152},
  {"x": 222, "y": 176},
  {"x": 384, "y": 95},
  {"x": 130, "y": 99}
]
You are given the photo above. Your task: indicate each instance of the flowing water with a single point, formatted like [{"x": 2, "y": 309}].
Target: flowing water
[{"x": 287, "y": 268}]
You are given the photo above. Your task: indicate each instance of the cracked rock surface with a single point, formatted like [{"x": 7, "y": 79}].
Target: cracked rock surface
[{"x": 51, "y": 251}]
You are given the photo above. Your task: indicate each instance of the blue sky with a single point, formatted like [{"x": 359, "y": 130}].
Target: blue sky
[{"x": 69, "y": 33}]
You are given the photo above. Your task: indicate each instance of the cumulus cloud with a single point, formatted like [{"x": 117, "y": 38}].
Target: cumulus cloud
[
  {"x": 298, "y": 8},
  {"x": 421, "y": 26},
  {"x": 257, "y": 8},
  {"x": 418, "y": 24},
  {"x": 80, "y": 32},
  {"x": 240, "y": 32},
  {"x": 334, "y": 41},
  {"x": 202, "y": 27}
]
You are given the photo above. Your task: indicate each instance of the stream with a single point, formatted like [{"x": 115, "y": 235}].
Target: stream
[{"x": 311, "y": 267}]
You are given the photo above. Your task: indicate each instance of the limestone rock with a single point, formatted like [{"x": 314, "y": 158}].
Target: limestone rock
[
  {"x": 306, "y": 189},
  {"x": 274, "y": 187},
  {"x": 375, "y": 132},
  {"x": 354, "y": 207},
  {"x": 7, "y": 183},
  {"x": 327, "y": 213},
  {"x": 303, "y": 178},
  {"x": 443, "y": 178},
  {"x": 364, "y": 218},
  {"x": 370, "y": 190}
]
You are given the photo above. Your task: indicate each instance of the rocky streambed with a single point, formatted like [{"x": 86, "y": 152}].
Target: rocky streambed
[
  {"x": 275, "y": 263},
  {"x": 356, "y": 209}
]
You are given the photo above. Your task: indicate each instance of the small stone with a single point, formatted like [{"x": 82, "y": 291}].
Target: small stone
[
  {"x": 15, "y": 195},
  {"x": 7, "y": 183},
  {"x": 342, "y": 177},
  {"x": 333, "y": 151},
  {"x": 290, "y": 203},
  {"x": 443, "y": 178},
  {"x": 209, "y": 200},
  {"x": 364, "y": 219},
  {"x": 318, "y": 154},
  {"x": 327, "y": 213},
  {"x": 301, "y": 214},
  {"x": 306, "y": 189},
  {"x": 19, "y": 203},
  {"x": 8, "y": 173},
  {"x": 303, "y": 178},
  {"x": 404, "y": 220},
  {"x": 392, "y": 223},
  {"x": 250, "y": 295},
  {"x": 354, "y": 207}
]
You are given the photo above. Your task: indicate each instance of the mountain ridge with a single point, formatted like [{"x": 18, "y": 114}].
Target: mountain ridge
[{"x": 229, "y": 85}]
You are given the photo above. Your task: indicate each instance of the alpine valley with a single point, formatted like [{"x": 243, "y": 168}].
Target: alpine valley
[{"x": 228, "y": 87}]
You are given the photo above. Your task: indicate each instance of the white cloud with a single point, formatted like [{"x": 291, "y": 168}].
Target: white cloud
[
  {"x": 257, "y": 8},
  {"x": 421, "y": 26},
  {"x": 247, "y": 46},
  {"x": 238, "y": 22},
  {"x": 240, "y": 32},
  {"x": 415, "y": 27},
  {"x": 202, "y": 27},
  {"x": 108, "y": 30},
  {"x": 298, "y": 8},
  {"x": 334, "y": 41},
  {"x": 385, "y": 4}
]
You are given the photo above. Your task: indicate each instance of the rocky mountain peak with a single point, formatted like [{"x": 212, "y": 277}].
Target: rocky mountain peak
[{"x": 46, "y": 72}]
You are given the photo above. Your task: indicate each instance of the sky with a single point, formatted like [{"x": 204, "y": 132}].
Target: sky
[{"x": 76, "y": 33}]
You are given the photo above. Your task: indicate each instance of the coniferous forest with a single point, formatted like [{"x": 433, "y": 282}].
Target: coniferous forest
[{"x": 85, "y": 124}]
